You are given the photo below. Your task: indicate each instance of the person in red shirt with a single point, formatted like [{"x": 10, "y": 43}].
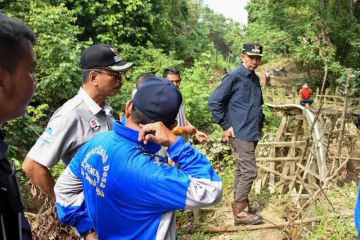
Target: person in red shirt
[{"x": 305, "y": 93}]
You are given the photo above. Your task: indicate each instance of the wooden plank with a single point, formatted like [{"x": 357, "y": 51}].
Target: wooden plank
[
  {"x": 292, "y": 151},
  {"x": 279, "y": 133},
  {"x": 283, "y": 175},
  {"x": 289, "y": 167},
  {"x": 281, "y": 144},
  {"x": 277, "y": 159},
  {"x": 343, "y": 157}
]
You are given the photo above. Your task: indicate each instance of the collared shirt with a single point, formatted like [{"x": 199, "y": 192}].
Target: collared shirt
[
  {"x": 237, "y": 102},
  {"x": 181, "y": 117},
  {"x": 118, "y": 186},
  {"x": 73, "y": 124}
]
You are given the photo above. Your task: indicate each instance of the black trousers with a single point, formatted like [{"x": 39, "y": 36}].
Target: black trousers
[{"x": 246, "y": 170}]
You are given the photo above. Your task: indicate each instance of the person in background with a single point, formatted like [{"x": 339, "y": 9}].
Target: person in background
[
  {"x": 236, "y": 105},
  {"x": 116, "y": 185},
  {"x": 184, "y": 126},
  {"x": 305, "y": 93},
  {"x": 80, "y": 118},
  {"x": 140, "y": 81},
  {"x": 17, "y": 85}
]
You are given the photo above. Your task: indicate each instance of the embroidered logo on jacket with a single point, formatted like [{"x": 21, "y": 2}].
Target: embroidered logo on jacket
[{"x": 95, "y": 175}]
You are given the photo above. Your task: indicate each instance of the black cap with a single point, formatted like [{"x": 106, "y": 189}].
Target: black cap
[
  {"x": 253, "y": 49},
  {"x": 158, "y": 99},
  {"x": 103, "y": 56}
]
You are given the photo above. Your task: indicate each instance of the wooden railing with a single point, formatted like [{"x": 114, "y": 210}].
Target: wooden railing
[{"x": 286, "y": 96}]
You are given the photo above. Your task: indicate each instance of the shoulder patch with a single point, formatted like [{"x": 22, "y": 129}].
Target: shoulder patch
[{"x": 94, "y": 124}]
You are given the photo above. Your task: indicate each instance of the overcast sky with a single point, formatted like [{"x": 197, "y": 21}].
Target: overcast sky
[{"x": 234, "y": 9}]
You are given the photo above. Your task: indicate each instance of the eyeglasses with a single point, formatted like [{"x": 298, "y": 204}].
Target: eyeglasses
[{"x": 116, "y": 75}]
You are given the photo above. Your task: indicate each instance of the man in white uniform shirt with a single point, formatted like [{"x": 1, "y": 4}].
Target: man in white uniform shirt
[{"x": 80, "y": 118}]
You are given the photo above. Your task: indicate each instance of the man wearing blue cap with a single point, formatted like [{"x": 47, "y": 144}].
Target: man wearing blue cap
[
  {"x": 117, "y": 186},
  {"x": 236, "y": 105},
  {"x": 80, "y": 118}
]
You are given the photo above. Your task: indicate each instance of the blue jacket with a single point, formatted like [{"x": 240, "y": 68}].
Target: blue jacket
[
  {"x": 237, "y": 102},
  {"x": 129, "y": 192},
  {"x": 357, "y": 212}
]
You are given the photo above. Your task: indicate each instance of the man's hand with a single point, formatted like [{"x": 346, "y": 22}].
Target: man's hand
[
  {"x": 229, "y": 134},
  {"x": 189, "y": 129},
  {"x": 157, "y": 133},
  {"x": 200, "y": 136}
]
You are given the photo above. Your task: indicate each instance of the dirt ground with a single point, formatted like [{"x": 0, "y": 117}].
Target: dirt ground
[{"x": 223, "y": 217}]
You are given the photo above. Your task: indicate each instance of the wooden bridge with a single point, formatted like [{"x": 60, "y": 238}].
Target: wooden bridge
[{"x": 305, "y": 155}]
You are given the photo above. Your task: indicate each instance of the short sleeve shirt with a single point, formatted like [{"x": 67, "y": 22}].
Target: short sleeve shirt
[
  {"x": 73, "y": 124},
  {"x": 181, "y": 118}
]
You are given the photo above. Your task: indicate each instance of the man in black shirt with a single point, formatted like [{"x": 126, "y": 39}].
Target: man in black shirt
[
  {"x": 236, "y": 105},
  {"x": 17, "y": 85}
]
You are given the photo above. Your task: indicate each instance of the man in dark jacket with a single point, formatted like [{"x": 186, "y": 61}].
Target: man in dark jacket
[
  {"x": 17, "y": 85},
  {"x": 236, "y": 105}
]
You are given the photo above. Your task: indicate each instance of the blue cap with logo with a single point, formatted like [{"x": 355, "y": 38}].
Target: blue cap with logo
[{"x": 158, "y": 99}]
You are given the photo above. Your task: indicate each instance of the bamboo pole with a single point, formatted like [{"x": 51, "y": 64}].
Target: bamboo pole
[
  {"x": 315, "y": 118},
  {"x": 278, "y": 159},
  {"x": 274, "y": 225},
  {"x": 279, "y": 133},
  {"x": 308, "y": 171},
  {"x": 342, "y": 128},
  {"x": 281, "y": 144}
]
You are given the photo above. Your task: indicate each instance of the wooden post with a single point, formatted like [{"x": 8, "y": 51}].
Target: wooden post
[
  {"x": 342, "y": 128},
  {"x": 279, "y": 133},
  {"x": 294, "y": 95},
  {"x": 290, "y": 166}
]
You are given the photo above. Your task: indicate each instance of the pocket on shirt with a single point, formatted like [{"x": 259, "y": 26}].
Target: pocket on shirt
[{"x": 242, "y": 92}]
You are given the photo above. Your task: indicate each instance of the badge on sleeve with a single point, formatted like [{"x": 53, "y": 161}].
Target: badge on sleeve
[
  {"x": 49, "y": 130},
  {"x": 94, "y": 124}
]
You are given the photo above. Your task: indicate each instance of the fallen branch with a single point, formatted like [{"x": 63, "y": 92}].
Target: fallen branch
[{"x": 273, "y": 225}]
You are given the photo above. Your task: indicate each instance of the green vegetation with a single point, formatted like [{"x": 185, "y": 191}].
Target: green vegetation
[
  {"x": 182, "y": 33},
  {"x": 343, "y": 200},
  {"x": 153, "y": 34},
  {"x": 310, "y": 35}
]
